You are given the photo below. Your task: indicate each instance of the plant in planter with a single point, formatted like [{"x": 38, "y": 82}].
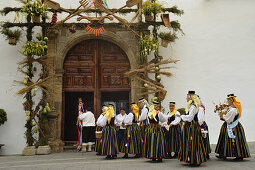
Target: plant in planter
[
  {"x": 147, "y": 44},
  {"x": 12, "y": 36},
  {"x": 147, "y": 11},
  {"x": 35, "y": 9},
  {"x": 36, "y": 48},
  {"x": 167, "y": 38},
  {"x": 151, "y": 7},
  {"x": 3, "y": 116}
]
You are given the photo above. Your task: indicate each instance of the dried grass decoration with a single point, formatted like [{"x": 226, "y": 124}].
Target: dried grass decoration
[{"x": 151, "y": 86}]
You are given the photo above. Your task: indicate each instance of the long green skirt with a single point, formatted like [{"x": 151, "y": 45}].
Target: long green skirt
[
  {"x": 109, "y": 145},
  {"x": 228, "y": 147},
  {"x": 131, "y": 142},
  {"x": 192, "y": 149},
  {"x": 173, "y": 139},
  {"x": 154, "y": 146}
]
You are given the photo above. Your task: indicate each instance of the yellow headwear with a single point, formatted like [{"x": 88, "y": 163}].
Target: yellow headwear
[
  {"x": 135, "y": 110},
  {"x": 193, "y": 100},
  {"x": 104, "y": 109},
  {"x": 109, "y": 113},
  {"x": 238, "y": 105},
  {"x": 152, "y": 112},
  {"x": 175, "y": 110}
]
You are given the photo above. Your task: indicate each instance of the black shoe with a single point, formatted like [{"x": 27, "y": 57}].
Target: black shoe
[
  {"x": 114, "y": 156},
  {"x": 221, "y": 157},
  {"x": 125, "y": 156},
  {"x": 207, "y": 156},
  {"x": 175, "y": 155},
  {"x": 108, "y": 157},
  {"x": 137, "y": 156},
  {"x": 154, "y": 160},
  {"x": 238, "y": 159},
  {"x": 159, "y": 160}
]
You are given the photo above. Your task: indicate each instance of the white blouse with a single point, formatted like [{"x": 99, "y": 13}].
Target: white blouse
[
  {"x": 192, "y": 112},
  {"x": 129, "y": 119},
  {"x": 177, "y": 119},
  {"x": 201, "y": 115},
  {"x": 120, "y": 119},
  {"x": 101, "y": 121},
  {"x": 144, "y": 114},
  {"x": 229, "y": 117}
]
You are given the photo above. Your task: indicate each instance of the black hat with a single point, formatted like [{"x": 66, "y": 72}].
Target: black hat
[
  {"x": 141, "y": 98},
  {"x": 231, "y": 95},
  {"x": 171, "y": 102},
  {"x": 104, "y": 105},
  {"x": 191, "y": 92},
  {"x": 132, "y": 103},
  {"x": 156, "y": 103}
]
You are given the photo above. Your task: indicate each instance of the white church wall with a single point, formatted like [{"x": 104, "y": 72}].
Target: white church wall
[{"x": 216, "y": 58}]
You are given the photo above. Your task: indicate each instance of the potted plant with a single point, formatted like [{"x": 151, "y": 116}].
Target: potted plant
[
  {"x": 166, "y": 38},
  {"x": 35, "y": 9},
  {"x": 3, "y": 116},
  {"x": 147, "y": 11},
  {"x": 151, "y": 7},
  {"x": 11, "y": 35}
]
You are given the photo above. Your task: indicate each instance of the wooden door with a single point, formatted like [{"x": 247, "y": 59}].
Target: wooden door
[{"x": 95, "y": 66}]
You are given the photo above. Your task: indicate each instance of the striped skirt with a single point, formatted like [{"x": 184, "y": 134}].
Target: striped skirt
[
  {"x": 154, "y": 146},
  {"x": 228, "y": 147},
  {"x": 131, "y": 142},
  {"x": 98, "y": 146},
  {"x": 192, "y": 148},
  {"x": 173, "y": 139},
  {"x": 206, "y": 139},
  {"x": 109, "y": 141}
]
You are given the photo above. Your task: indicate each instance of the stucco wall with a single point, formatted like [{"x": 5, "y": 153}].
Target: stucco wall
[{"x": 216, "y": 58}]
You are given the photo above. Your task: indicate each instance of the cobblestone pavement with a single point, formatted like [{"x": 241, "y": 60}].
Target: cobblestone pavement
[{"x": 73, "y": 160}]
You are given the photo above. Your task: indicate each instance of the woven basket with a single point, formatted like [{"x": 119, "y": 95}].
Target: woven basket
[{"x": 98, "y": 134}]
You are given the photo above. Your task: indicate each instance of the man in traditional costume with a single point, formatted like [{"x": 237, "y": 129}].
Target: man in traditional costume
[
  {"x": 174, "y": 133},
  {"x": 99, "y": 128},
  {"x": 232, "y": 141},
  {"x": 204, "y": 128},
  {"x": 192, "y": 149},
  {"x": 119, "y": 123},
  {"x": 154, "y": 146},
  {"x": 88, "y": 130},
  {"x": 131, "y": 143},
  {"x": 109, "y": 137}
]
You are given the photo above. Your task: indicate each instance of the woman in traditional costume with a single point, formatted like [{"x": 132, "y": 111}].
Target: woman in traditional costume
[
  {"x": 154, "y": 146},
  {"x": 131, "y": 144},
  {"x": 232, "y": 141},
  {"x": 109, "y": 137},
  {"x": 174, "y": 133},
  {"x": 119, "y": 123},
  {"x": 98, "y": 147},
  {"x": 204, "y": 128},
  {"x": 192, "y": 149}
]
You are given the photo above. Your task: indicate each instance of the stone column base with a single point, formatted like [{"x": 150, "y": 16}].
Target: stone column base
[
  {"x": 43, "y": 150},
  {"x": 56, "y": 146},
  {"x": 29, "y": 151}
]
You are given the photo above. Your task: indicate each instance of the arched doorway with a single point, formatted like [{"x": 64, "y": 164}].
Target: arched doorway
[{"x": 94, "y": 70}]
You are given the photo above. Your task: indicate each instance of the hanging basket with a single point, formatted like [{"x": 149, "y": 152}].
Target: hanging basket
[
  {"x": 148, "y": 18},
  {"x": 166, "y": 19},
  {"x": 12, "y": 41},
  {"x": 36, "y": 19},
  {"x": 164, "y": 43}
]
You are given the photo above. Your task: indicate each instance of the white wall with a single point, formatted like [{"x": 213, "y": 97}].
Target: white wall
[{"x": 216, "y": 58}]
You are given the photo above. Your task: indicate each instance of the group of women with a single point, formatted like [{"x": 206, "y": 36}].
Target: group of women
[{"x": 149, "y": 133}]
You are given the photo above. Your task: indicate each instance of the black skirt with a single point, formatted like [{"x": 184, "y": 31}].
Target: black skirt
[{"x": 88, "y": 135}]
